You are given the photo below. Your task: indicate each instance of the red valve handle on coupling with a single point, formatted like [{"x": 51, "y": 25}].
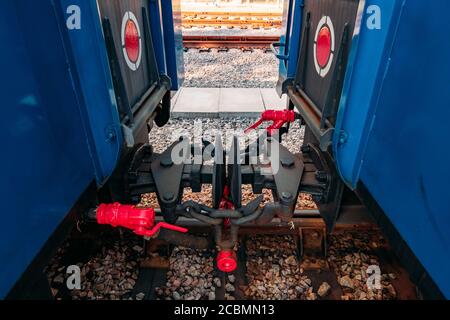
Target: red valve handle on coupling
[
  {"x": 140, "y": 220},
  {"x": 279, "y": 118}
]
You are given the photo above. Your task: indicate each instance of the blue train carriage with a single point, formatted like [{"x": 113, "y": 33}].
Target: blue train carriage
[
  {"x": 371, "y": 80},
  {"x": 82, "y": 83}
]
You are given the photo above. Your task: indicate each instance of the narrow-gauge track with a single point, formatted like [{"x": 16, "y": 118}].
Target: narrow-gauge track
[
  {"x": 267, "y": 271},
  {"x": 231, "y": 19},
  {"x": 231, "y": 14},
  {"x": 276, "y": 262},
  {"x": 228, "y": 42}
]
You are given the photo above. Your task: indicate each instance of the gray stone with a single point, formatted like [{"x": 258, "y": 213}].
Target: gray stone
[
  {"x": 140, "y": 296},
  {"x": 229, "y": 287},
  {"x": 176, "y": 296},
  {"x": 59, "y": 279},
  {"x": 324, "y": 290},
  {"x": 345, "y": 281},
  {"x": 217, "y": 282}
]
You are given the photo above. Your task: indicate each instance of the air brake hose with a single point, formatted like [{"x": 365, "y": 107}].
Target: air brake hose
[
  {"x": 184, "y": 240},
  {"x": 247, "y": 219}
]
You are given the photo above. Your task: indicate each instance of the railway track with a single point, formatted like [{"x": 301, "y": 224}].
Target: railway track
[
  {"x": 241, "y": 20},
  {"x": 275, "y": 262},
  {"x": 228, "y": 42}
]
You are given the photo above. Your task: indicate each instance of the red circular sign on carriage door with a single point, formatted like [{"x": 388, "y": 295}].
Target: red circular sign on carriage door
[
  {"x": 131, "y": 41},
  {"x": 324, "y": 45}
]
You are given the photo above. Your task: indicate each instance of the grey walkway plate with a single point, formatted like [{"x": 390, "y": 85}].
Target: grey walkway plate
[{"x": 225, "y": 102}]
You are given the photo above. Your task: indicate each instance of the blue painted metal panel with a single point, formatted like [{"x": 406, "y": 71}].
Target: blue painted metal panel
[
  {"x": 291, "y": 39},
  {"x": 391, "y": 130},
  {"x": 295, "y": 38},
  {"x": 365, "y": 70},
  {"x": 284, "y": 38},
  {"x": 156, "y": 26},
  {"x": 406, "y": 161},
  {"x": 46, "y": 163},
  {"x": 173, "y": 40},
  {"x": 60, "y": 121},
  {"x": 393, "y": 112},
  {"x": 92, "y": 80}
]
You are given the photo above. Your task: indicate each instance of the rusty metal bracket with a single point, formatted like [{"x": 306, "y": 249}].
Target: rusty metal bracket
[{"x": 313, "y": 241}]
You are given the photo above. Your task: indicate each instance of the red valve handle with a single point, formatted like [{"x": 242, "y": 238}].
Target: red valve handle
[
  {"x": 279, "y": 118},
  {"x": 140, "y": 220},
  {"x": 152, "y": 232}
]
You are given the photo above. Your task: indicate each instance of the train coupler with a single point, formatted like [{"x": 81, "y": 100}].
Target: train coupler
[
  {"x": 264, "y": 164},
  {"x": 140, "y": 220}
]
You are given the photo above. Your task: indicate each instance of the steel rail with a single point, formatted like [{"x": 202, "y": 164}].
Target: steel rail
[
  {"x": 229, "y": 41},
  {"x": 234, "y": 19},
  {"x": 230, "y": 14}
]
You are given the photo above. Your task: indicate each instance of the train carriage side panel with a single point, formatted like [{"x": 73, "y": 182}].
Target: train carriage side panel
[
  {"x": 62, "y": 120},
  {"x": 368, "y": 61},
  {"x": 46, "y": 163},
  {"x": 389, "y": 132},
  {"x": 173, "y": 40},
  {"x": 406, "y": 164},
  {"x": 288, "y": 48},
  {"x": 87, "y": 55},
  {"x": 392, "y": 112}
]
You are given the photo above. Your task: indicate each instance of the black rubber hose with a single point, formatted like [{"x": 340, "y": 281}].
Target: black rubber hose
[
  {"x": 205, "y": 219},
  {"x": 247, "y": 219},
  {"x": 218, "y": 234},
  {"x": 250, "y": 208},
  {"x": 91, "y": 214},
  {"x": 226, "y": 214},
  {"x": 268, "y": 214},
  {"x": 226, "y": 244},
  {"x": 184, "y": 240},
  {"x": 188, "y": 206}
]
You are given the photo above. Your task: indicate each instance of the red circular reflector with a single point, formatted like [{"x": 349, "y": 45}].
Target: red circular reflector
[
  {"x": 323, "y": 50},
  {"x": 226, "y": 261},
  {"x": 132, "y": 41}
]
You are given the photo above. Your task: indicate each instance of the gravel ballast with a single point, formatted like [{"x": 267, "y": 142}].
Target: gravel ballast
[
  {"x": 107, "y": 273},
  {"x": 232, "y": 69},
  {"x": 162, "y": 138},
  {"x": 273, "y": 270},
  {"x": 351, "y": 253},
  {"x": 190, "y": 276}
]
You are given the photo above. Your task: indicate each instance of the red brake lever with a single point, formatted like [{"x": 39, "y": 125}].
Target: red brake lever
[
  {"x": 140, "y": 220},
  {"x": 279, "y": 118}
]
